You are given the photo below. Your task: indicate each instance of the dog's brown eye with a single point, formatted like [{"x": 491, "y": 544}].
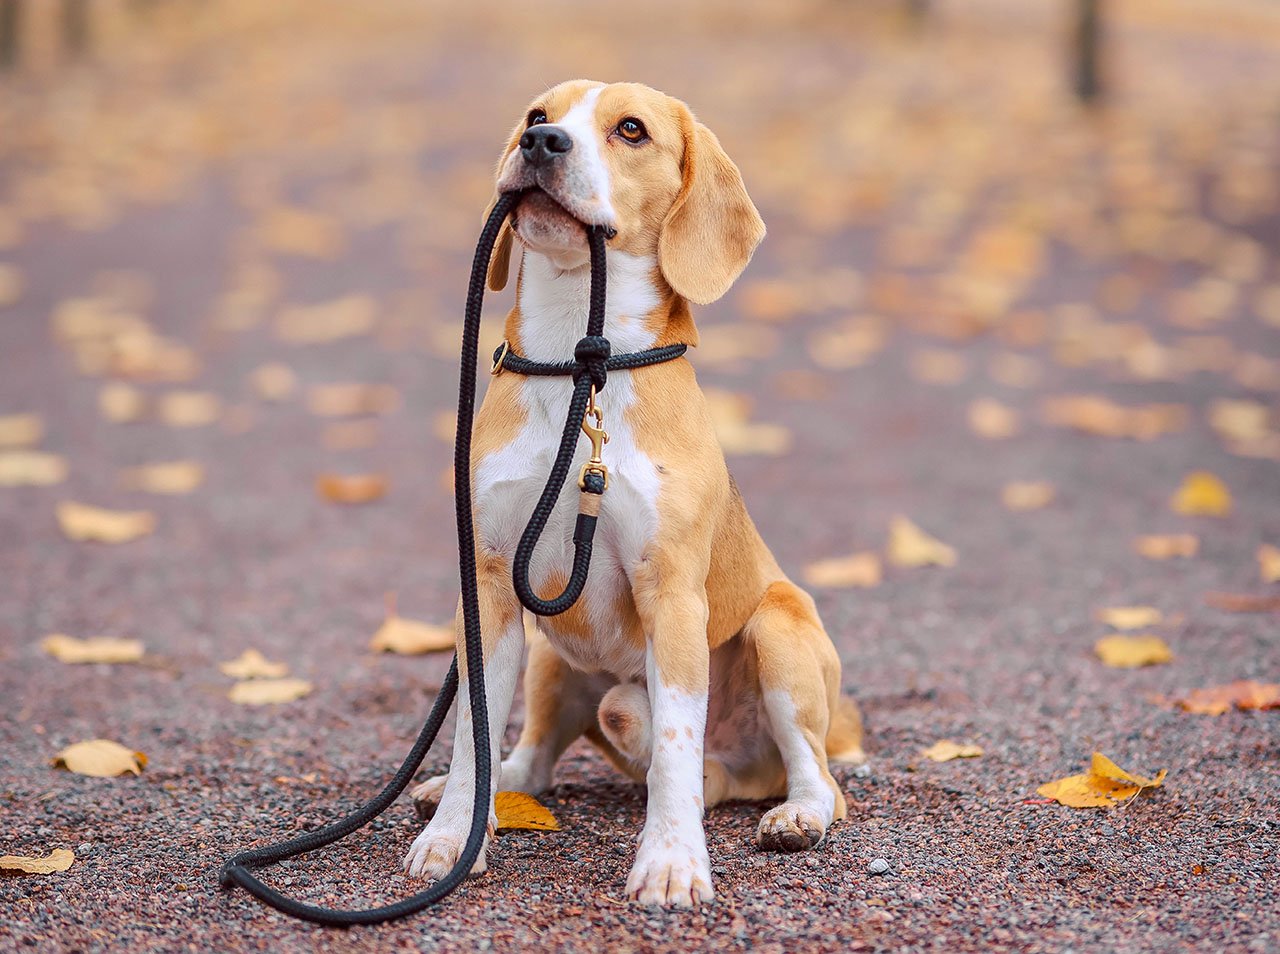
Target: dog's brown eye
[
  {"x": 632, "y": 130},
  {"x": 536, "y": 117}
]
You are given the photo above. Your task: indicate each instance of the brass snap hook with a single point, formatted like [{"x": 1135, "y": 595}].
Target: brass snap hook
[{"x": 598, "y": 437}]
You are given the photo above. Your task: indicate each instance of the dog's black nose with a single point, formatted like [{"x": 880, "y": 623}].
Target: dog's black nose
[{"x": 541, "y": 144}]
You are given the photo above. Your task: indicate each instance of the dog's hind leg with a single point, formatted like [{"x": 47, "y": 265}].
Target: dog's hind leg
[{"x": 800, "y": 688}]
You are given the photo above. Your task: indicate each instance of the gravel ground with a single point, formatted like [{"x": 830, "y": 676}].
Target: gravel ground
[{"x": 997, "y": 649}]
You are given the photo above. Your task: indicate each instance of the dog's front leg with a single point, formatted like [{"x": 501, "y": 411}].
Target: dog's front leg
[
  {"x": 438, "y": 847},
  {"x": 671, "y": 864}
]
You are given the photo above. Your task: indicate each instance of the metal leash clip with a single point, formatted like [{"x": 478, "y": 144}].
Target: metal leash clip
[{"x": 598, "y": 437}]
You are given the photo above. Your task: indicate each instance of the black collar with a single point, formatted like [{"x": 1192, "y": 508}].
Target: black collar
[{"x": 505, "y": 359}]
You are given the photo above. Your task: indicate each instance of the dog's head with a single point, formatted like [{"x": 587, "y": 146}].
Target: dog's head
[{"x": 634, "y": 160}]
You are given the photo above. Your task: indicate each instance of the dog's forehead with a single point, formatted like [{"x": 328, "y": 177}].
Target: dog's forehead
[{"x": 610, "y": 101}]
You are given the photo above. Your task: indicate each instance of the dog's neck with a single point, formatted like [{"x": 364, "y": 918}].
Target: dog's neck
[{"x": 641, "y": 310}]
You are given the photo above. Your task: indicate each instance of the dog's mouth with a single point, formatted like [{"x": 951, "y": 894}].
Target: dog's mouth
[{"x": 539, "y": 217}]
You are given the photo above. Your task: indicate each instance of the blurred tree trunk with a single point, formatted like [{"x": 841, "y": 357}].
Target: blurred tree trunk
[{"x": 1087, "y": 52}]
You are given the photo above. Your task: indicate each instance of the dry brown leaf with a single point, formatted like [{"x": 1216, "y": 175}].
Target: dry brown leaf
[
  {"x": 171, "y": 477},
  {"x": 409, "y": 637},
  {"x": 273, "y": 381},
  {"x": 1027, "y": 494},
  {"x": 1242, "y": 694},
  {"x": 301, "y": 232},
  {"x": 992, "y": 420},
  {"x": 945, "y": 750},
  {"x": 1129, "y": 617},
  {"x": 82, "y": 522},
  {"x": 20, "y": 430},
  {"x": 1269, "y": 563},
  {"x": 1130, "y": 652},
  {"x": 738, "y": 435},
  {"x": 329, "y": 321},
  {"x": 352, "y": 399},
  {"x": 1103, "y": 786},
  {"x": 910, "y": 546},
  {"x": 1243, "y": 602},
  {"x": 31, "y": 468},
  {"x": 96, "y": 649},
  {"x": 121, "y": 403},
  {"x": 251, "y": 664},
  {"x": 1164, "y": 546},
  {"x": 1202, "y": 494},
  {"x": 100, "y": 758},
  {"x": 858, "y": 569},
  {"x": 351, "y": 488},
  {"x": 516, "y": 810},
  {"x": 262, "y": 692},
  {"x": 937, "y": 366},
  {"x": 189, "y": 408},
  {"x": 59, "y": 859},
  {"x": 1093, "y": 414}
]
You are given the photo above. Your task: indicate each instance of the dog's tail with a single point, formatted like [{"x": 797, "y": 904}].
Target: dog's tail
[{"x": 844, "y": 738}]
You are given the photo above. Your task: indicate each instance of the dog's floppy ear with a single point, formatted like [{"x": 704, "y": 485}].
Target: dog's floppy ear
[
  {"x": 712, "y": 229},
  {"x": 500, "y": 260}
]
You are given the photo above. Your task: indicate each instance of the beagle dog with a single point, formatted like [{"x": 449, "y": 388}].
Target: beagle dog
[{"x": 690, "y": 660}]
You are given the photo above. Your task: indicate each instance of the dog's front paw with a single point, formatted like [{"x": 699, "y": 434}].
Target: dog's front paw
[
  {"x": 434, "y": 854},
  {"x": 426, "y": 797},
  {"x": 673, "y": 875},
  {"x": 790, "y": 827}
]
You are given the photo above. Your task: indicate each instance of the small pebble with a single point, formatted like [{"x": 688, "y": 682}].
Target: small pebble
[{"x": 878, "y": 867}]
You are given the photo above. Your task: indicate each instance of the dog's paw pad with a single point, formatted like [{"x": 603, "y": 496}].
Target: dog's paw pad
[{"x": 790, "y": 828}]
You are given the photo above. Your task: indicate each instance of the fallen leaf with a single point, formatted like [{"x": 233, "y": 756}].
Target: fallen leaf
[
  {"x": 516, "y": 810},
  {"x": 59, "y": 859},
  {"x": 351, "y": 488},
  {"x": 1243, "y": 602},
  {"x": 1242, "y": 694},
  {"x": 1093, "y": 414},
  {"x": 82, "y": 522},
  {"x": 1269, "y": 563},
  {"x": 1166, "y": 546},
  {"x": 31, "y": 468},
  {"x": 189, "y": 408},
  {"x": 730, "y": 415},
  {"x": 251, "y": 664},
  {"x": 409, "y": 637},
  {"x": 273, "y": 381},
  {"x": 1027, "y": 494},
  {"x": 1129, "y": 617},
  {"x": 100, "y": 758},
  {"x": 1104, "y": 785},
  {"x": 261, "y": 692},
  {"x": 1130, "y": 652},
  {"x": 121, "y": 403},
  {"x": 1202, "y": 495},
  {"x": 20, "y": 430},
  {"x": 1241, "y": 421},
  {"x": 858, "y": 569},
  {"x": 172, "y": 477},
  {"x": 992, "y": 420},
  {"x": 352, "y": 399},
  {"x": 911, "y": 546},
  {"x": 329, "y": 321},
  {"x": 849, "y": 344},
  {"x": 946, "y": 750},
  {"x": 96, "y": 649}
]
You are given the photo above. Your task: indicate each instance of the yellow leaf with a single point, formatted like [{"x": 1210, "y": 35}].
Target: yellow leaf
[
  {"x": 1243, "y": 694},
  {"x": 409, "y": 637},
  {"x": 1167, "y": 545},
  {"x": 20, "y": 430},
  {"x": 273, "y": 381},
  {"x": 1269, "y": 563},
  {"x": 351, "y": 488},
  {"x": 993, "y": 420},
  {"x": 911, "y": 546},
  {"x": 82, "y": 522},
  {"x": 261, "y": 692},
  {"x": 189, "y": 408},
  {"x": 1240, "y": 421},
  {"x": 100, "y": 758},
  {"x": 946, "y": 750},
  {"x": 1027, "y": 494},
  {"x": 251, "y": 664},
  {"x": 31, "y": 468},
  {"x": 520, "y": 811},
  {"x": 858, "y": 569},
  {"x": 1087, "y": 791},
  {"x": 1202, "y": 495},
  {"x": 1129, "y": 617},
  {"x": 1093, "y": 414},
  {"x": 172, "y": 477},
  {"x": 97, "y": 649},
  {"x": 58, "y": 860},
  {"x": 1104, "y": 767},
  {"x": 330, "y": 321},
  {"x": 121, "y": 403},
  {"x": 1130, "y": 652}
]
